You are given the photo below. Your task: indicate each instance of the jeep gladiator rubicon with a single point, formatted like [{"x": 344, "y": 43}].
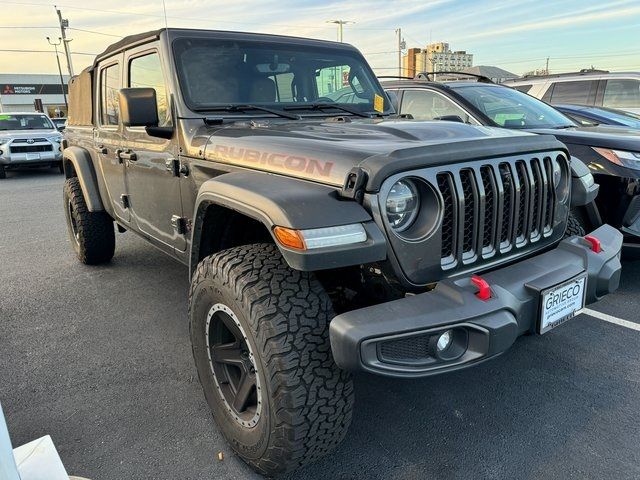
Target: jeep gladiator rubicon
[
  {"x": 28, "y": 140},
  {"x": 323, "y": 238}
]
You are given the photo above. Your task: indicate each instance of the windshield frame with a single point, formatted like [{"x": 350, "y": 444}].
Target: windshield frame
[
  {"x": 565, "y": 122},
  {"x": 283, "y": 44},
  {"x": 22, "y": 129}
]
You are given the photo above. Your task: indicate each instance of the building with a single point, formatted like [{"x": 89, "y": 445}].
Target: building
[
  {"x": 435, "y": 57},
  {"x": 19, "y": 92}
]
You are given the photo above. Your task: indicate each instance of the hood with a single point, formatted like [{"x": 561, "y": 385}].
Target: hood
[
  {"x": 42, "y": 132},
  {"x": 326, "y": 150},
  {"x": 607, "y": 136}
]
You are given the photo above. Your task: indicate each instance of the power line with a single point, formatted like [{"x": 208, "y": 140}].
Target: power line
[
  {"x": 15, "y": 50},
  {"x": 94, "y": 31}
]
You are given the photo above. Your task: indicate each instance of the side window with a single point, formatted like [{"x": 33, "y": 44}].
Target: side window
[
  {"x": 622, "y": 93},
  {"x": 146, "y": 71},
  {"x": 429, "y": 105},
  {"x": 340, "y": 85},
  {"x": 547, "y": 94},
  {"x": 523, "y": 88},
  {"x": 284, "y": 86},
  {"x": 581, "y": 92},
  {"x": 109, "y": 86}
]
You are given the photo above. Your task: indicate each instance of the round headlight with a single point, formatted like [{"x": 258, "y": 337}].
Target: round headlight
[
  {"x": 557, "y": 173},
  {"x": 403, "y": 203}
]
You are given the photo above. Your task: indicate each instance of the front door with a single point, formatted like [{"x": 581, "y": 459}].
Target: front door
[
  {"x": 107, "y": 138},
  {"x": 152, "y": 185}
]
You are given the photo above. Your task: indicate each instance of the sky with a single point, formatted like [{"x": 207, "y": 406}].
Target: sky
[{"x": 517, "y": 35}]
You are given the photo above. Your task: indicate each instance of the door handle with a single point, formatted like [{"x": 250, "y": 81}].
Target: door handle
[{"x": 126, "y": 155}]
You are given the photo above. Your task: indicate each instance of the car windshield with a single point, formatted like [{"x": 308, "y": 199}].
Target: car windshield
[
  {"x": 510, "y": 108},
  {"x": 25, "y": 122},
  {"x": 626, "y": 118},
  {"x": 216, "y": 74}
]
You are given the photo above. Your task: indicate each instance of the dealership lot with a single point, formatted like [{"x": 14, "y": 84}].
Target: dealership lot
[{"x": 100, "y": 359}]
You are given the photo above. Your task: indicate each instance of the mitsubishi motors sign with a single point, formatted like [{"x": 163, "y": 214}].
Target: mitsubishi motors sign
[{"x": 31, "y": 89}]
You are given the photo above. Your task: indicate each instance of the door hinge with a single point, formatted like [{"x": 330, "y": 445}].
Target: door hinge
[
  {"x": 180, "y": 224},
  {"x": 176, "y": 168},
  {"x": 124, "y": 200}
]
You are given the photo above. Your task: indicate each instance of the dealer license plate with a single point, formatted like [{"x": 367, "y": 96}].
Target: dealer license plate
[
  {"x": 33, "y": 156},
  {"x": 561, "y": 303}
]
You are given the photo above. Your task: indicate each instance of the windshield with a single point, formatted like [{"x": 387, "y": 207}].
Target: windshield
[
  {"x": 218, "y": 73},
  {"x": 513, "y": 109},
  {"x": 25, "y": 122},
  {"x": 626, "y": 118}
]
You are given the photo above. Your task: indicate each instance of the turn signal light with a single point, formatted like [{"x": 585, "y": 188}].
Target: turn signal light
[{"x": 289, "y": 238}]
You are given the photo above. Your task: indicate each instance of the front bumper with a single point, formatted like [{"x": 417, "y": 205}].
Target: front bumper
[{"x": 387, "y": 339}]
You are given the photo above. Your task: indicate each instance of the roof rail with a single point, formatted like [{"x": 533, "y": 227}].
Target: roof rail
[
  {"x": 395, "y": 76},
  {"x": 584, "y": 71},
  {"x": 426, "y": 76}
]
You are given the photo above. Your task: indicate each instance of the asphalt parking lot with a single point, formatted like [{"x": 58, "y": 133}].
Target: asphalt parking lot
[{"x": 99, "y": 358}]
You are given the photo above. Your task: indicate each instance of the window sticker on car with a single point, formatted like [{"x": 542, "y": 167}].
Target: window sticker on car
[{"x": 378, "y": 103}]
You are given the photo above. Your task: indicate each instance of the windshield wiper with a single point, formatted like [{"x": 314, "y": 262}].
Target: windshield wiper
[
  {"x": 245, "y": 107},
  {"x": 325, "y": 105},
  {"x": 562, "y": 127}
]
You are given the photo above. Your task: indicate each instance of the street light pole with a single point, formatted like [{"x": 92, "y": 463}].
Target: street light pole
[
  {"x": 55, "y": 47},
  {"x": 340, "y": 24}
]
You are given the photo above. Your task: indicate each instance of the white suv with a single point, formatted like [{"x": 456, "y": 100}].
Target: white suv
[
  {"x": 28, "y": 140},
  {"x": 587, "y": 87}
]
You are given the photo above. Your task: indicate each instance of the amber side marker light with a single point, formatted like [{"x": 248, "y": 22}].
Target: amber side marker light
[{"x": 289, "y": 238}]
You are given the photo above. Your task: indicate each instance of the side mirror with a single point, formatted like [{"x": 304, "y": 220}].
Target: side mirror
[
  {"x": 61, "y": 128},
  {"x": 138, "y": 107}
]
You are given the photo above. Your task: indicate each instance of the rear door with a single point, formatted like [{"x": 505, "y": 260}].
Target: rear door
[
  {"x": 577, "y": 92},
  {"x": 152, "y": 186},
  {"x": 622, "y": 93},
  {"x": 108, "y": 135}
]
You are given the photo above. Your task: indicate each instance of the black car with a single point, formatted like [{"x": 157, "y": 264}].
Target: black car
[
  {"x": 589, "y": 116},
  {"x": 612, "y": 153}
]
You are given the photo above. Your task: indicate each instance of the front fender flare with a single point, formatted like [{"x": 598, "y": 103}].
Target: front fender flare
[
  {"x": 281, "y": 201},
  {"x": 83, "y": 168}
]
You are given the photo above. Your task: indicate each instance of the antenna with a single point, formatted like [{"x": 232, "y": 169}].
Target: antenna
[{"x": 164, "y": 8}]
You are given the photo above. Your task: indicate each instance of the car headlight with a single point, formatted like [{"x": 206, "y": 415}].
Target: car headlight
[
  {"x": 56, "y": 139},
  {"x": 402, "y": 205},
  {"x": 620, "y": 157}
]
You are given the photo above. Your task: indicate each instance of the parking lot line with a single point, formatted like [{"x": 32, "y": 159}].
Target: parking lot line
[{"x": 611, "y": 319}]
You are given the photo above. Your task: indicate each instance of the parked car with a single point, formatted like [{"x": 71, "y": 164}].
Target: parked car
[
  {"x": 59, "y": 122},
  {"x": 612, "y": 153},
  {"x": 588, "y": 116},
  {"x": 28, "y": 140},
  {"x": 586, "y": 87},
  {"x": 322, "y": 237}
]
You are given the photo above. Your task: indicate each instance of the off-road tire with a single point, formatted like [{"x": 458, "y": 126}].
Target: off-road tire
[
  {"x": 91, "y": 234},
  {"x": 307, "y": 400},
  {"x": 575, "y": 226},
  {"x": 3, "y": 173}
]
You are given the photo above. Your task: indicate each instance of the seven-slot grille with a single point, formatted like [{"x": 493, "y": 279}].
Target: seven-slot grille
[{"x": 490, "y": 209}]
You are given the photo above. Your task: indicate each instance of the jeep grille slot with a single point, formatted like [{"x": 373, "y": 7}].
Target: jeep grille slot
[{"x": 491, "y": 209}]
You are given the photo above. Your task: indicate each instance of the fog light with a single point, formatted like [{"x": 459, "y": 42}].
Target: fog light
[{"x": 444, "y": 341}]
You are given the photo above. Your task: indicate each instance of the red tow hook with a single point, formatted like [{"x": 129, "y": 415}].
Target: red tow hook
[
  {"x": 596, "y": 246},
  {"x": 484, "y": 290}
]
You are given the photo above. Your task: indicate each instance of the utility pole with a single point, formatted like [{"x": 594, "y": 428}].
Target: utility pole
[
  {"x": 401, "y": 46},
  {"x": 546, "y": 69},
  {"x": 340, "y": 24},
  {"x": 55, "y": 47},
  {"x": 64, "y": 24}
]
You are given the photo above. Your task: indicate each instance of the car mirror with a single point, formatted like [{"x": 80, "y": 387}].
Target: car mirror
[{"x": 138, "y": 107}]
